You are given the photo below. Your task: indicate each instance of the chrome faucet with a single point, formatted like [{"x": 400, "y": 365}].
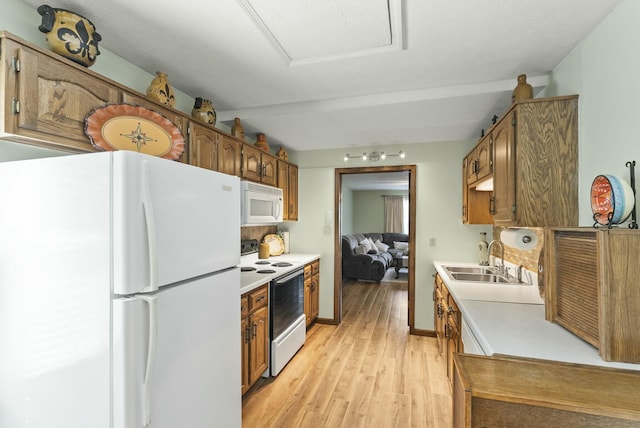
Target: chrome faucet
[{"x": 497, "y": 241}]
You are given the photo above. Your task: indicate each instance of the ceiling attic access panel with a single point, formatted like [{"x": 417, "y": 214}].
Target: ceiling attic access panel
[{"x": 308, "y": 31}]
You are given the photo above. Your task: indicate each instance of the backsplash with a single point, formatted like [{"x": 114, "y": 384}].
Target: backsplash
[
  {"x": 257, "y": 232},
  {"x": 528, "y": 259}
]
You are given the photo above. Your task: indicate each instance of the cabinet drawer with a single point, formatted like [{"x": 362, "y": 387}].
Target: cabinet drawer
[
  {"x": 307, "y": 271},
  {"x": 258, "y": 298}
]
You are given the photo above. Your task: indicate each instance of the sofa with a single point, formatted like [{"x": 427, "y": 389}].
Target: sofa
[{"x": 371, "y": 265}]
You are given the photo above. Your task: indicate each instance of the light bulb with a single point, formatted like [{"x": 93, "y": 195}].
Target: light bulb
[
  {"x": 346, "y": 157},
  {"x": 364, "y": 156},
  {"x": 383, "y": 156},
  {"x": 401, "y": 154}
]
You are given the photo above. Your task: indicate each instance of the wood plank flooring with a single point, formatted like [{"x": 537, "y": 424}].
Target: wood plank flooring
[{"x": 366, "y": 372}]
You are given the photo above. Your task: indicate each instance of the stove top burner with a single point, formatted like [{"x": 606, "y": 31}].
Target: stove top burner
[
  {"x": 282, "y": 264},
  {"x": 266, "y": 271},
  {"x": 246, "y": 268},
  {"x": 262, "y": 262}
]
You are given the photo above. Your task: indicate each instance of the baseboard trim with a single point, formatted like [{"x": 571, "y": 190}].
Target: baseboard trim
[
  {"x": 330, "y": 321},
  {"x": 420, "y": 332}
]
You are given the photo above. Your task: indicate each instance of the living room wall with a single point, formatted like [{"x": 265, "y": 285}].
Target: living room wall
[{"x": 368, "y": 210}]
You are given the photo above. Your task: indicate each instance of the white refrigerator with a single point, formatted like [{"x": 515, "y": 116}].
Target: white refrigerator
[{"x": 119, "y": 293}]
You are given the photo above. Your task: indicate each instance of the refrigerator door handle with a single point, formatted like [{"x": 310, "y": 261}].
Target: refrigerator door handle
[
  {"x": 150, "y": 224},
  {"x": 152, "y": 303}
]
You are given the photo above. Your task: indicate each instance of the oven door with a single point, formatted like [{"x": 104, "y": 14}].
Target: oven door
[{"x": 287, "y": 302}]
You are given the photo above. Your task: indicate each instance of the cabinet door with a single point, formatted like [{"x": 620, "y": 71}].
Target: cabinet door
[
  {"x": 485, "y": 157},
  {"x": 269, "y": 169},
  {"x": 504, "y": 185},
  {"x": 203, "y": 146},
  {"x": 283, "y": 183},
  {"x": 307, "y": 300},
  {"x": 293, "y": 193},
  {"x": 229, "y": 155},
  {"x": 315, "y": 294},
  {"x": 465, "y": 191},
  {"x": 48, "y": 99},
  {"x": 176, "y": 117},
  {"x": 251, "y": 163},
  {"x": 245, "y": 336},
  {"x": 259, "y": 350}
]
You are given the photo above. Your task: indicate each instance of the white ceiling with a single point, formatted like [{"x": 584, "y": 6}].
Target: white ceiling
[{"x": 320, "y": 74}]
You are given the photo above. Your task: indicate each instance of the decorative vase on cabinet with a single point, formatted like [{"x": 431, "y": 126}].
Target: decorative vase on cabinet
[
  {"x": 237, "y": 129},
  {"x": 160, "y": 90},
  {"x": 203, "y": 111},
  {"x": 523, "y": 90},
  {"x": 70, "y": 35}
]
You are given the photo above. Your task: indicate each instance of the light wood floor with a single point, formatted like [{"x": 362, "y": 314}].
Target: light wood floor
[{"x": 366, "y": 372}]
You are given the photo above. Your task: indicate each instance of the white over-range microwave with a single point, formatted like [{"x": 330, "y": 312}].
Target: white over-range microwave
[{"x": 261, "y": 204}]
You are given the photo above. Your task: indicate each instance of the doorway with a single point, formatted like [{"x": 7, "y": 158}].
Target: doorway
[{"x": 337, "y": 280}]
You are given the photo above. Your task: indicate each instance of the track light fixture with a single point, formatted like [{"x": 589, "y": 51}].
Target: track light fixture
[{"x": 374, "y": 156}]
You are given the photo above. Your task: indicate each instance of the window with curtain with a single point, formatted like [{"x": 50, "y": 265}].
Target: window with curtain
[{"x": 394, "y": 214}]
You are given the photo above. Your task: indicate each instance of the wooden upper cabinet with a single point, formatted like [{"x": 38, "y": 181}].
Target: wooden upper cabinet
[
  {"x": 283, "y": 183},
  {"x": 203, "y": 146},
  {"x": 485, "y": 158},
  {"x": 259, "y": 166},
  {"x": 46, "y": 98},
  {"x": 503, "y": 202},
  {"x": 229, "y": 155},
  {"x": 536, "y": 164}
]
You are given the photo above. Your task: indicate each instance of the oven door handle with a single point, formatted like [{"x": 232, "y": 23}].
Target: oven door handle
[{"x": 289, "y": 277}]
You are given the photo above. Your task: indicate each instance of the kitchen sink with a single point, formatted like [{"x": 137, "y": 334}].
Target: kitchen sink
[
  {"x": 464, "y": 269},
  {"x": 478, "y": 277}
]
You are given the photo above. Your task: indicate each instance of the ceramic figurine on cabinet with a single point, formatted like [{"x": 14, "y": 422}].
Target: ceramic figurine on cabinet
[
  {"x": 160, "y": 90},
  {"x": 70, "y": 35},
  {"x": 237, "y": 130},
  {"x": 262, "y": 143},
  {"x": 204, "y": 112},
  {"x": 282, "y": 154},
  {"x": 523, "y": 90}
]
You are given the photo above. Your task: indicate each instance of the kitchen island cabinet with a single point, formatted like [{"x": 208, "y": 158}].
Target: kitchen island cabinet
[
  {"x": 255, "y": 335},
  {"x": 524, "y": 392}
]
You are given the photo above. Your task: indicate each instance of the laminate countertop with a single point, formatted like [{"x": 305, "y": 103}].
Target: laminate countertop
[{"x": 510, "y": 319}]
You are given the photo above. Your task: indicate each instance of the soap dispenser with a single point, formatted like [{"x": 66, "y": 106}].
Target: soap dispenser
[{"x": 483, "y": 250}]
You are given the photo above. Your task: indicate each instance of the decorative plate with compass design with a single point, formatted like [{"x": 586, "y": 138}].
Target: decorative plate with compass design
[{"x": 129, "y": 127}]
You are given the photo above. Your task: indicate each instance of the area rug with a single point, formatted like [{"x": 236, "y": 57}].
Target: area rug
[{"x": 390, "y": 275}]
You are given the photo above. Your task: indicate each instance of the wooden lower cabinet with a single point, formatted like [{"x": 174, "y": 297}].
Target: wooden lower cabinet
[
  {"x": 448, "y": 324},
  {"x": 255, "y": 335},
  {"x": 311, "y": 291},
  {"x": 504, "y": 391}
]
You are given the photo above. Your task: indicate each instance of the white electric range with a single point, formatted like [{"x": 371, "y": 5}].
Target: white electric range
[{"x": 275, "y": 266}]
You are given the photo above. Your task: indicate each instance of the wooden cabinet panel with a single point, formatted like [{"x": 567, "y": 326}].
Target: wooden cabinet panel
[
  {"x": 229, "y": 155},
  {"x": 293, "y": 193},
  {"x": 504, "y": 185},
  {"x": 591, "y": 287},
  {"x": 311, "y": 291},
  {"x": 255, "y": 335},
  {"x": 251, "y": 163},
  {"x": 536, "y": 164},
  {"x": 283, "y": 183},
  {"x": 259, "y": 166},
  {"x": 503, "y": 391},
  {"x": 270, "y": 168},
  {"x": 203, "y": 146},
  {"x": 46, "y": 99},
  {"x": 259, "y": 349}
]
